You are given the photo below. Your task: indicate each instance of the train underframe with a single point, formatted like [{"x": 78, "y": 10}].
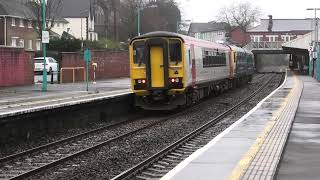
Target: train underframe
[{"x": 171, "y": 100}]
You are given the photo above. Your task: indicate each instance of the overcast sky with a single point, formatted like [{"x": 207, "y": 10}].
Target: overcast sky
[{"x": 206, "y": 10}]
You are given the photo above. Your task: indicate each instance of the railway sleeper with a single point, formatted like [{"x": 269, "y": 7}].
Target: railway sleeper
[
  {"x": 157, "y": 170},
  {"x": 146, "y": 178},
  {"x": 169, "y": 160},
  {"x": 154, "y": 175},
  {"x": 173, "y": 157},
  {"x": 176, "y": 154},
  {"x": 158, "y": 166},
  {"x": 186, "y": 150}
]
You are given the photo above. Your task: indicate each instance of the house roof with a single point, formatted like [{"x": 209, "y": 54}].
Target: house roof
[
  {"x": 15, "y": 8},
  {"x": 207, "y": 27},
  {"x": 76, "y": 9},
  {"x": 284, "y": 25}
]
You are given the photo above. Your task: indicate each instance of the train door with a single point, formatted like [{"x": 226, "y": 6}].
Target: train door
[
  {"x": 157, "y": 66},
  {"x": 157, "y": 63},
  {"x": 193, "y": 65}
]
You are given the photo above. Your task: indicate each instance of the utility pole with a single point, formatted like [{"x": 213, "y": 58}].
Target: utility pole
[
  {"x": 316, "y": 43},
  {"x": 316, "y": 27},
  {"x": 139, "y": 19},
  {"x": 44, "y": 49}
]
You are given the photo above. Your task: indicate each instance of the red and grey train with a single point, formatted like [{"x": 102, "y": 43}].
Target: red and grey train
[{"x": 170, "y": 70}]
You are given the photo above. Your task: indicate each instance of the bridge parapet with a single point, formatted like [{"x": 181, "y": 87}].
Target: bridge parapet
[{"x": 264, "y": 45}]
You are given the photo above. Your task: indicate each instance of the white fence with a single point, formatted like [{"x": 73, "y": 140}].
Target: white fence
[{"x": 265, "y": 45}]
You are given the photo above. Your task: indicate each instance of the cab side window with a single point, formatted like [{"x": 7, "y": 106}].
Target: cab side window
[
  {"x": 175, "y": 51},
  {"x": 138, "y": 52}
]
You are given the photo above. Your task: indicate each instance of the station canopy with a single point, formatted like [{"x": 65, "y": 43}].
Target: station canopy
[{"x": 300, "y": 43}]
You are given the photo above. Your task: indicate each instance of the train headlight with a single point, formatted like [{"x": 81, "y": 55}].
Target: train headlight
[
  {"x": 140, "y": 84},
  {"x": 176, "y": 83}
]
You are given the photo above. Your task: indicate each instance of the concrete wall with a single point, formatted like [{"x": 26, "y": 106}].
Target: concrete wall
[
  {"x": 16, "y": 67},
  {"x": 272, "y": 62},
  {"x": 37, "y": 124},
  {"x": 110, "y": 65}
]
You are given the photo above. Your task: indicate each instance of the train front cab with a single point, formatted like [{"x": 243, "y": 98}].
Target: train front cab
[
  {"x": 157, "y": 72},
  {"x": 243, "y": 65}
]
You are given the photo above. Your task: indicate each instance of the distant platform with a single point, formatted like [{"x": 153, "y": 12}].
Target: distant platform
[
  {"x": 253, "y": 146},
  {"x": 27, "y": 99}
]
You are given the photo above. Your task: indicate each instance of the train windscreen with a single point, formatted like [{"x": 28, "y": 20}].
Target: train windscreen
[{"x": 138, "y": 53}]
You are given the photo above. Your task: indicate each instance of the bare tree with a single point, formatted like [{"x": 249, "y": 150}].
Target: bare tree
[
  {"x": 53, "y": 12},
  {"x": 242, "y": 14}
]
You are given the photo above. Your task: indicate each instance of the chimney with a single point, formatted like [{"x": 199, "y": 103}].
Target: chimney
[{"x": 270, "y": 25}]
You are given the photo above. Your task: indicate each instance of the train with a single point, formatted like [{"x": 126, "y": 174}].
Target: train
[{"x": 170, "y": 70}]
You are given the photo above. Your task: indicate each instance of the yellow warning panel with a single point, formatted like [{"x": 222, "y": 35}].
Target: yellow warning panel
[{"x": 157, "y": 68}]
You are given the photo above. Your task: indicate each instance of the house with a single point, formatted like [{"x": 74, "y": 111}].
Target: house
[
  {"x": 278, "y": 31},
  {"x": 92, "y": 19},
  {"x": 80, "y": 15},
  {"x": 211, "y": 31},
  {"x": 16, "y": 26}
]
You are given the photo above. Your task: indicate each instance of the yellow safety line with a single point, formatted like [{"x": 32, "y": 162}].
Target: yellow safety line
[{"x": 246, "y": 160}]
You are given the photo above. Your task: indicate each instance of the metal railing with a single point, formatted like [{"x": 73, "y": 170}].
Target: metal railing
[{"x": 264, "y": 45}]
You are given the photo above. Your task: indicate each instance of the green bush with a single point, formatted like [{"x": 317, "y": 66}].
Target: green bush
[{"x": 64, "y": 44}]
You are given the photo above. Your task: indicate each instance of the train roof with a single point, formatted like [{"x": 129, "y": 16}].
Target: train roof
[
  {"x": 159, "y": 34},
  {"x": 236, "y": 48},
  {"x": 182, "y": 37}
]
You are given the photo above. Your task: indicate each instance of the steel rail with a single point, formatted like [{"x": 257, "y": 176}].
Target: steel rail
[{"x": 128, "y": 174}]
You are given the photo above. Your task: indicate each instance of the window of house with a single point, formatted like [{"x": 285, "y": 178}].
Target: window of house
[
  {"x": 13, "y": 21},
  {"x": 21, "y": 43},
  {"x": 30, "y": 44},
  {"x": 29, "y": 24},
  {"x": 272, "y": 38},
  {"x": 21, "y": 23},
  {"x": 38, "y": 45},
  {"x": 58, "y": 24},
  {"x": 14, "y": 41},
  {"x": 285, "y": 38},
  {"x": 257, "y": 38}
]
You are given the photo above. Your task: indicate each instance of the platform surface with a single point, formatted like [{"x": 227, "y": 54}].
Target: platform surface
[
  {"x": 26, "y": 99},
  {"x": 301, "y": 159},
  {"x": 251, "y": 148}
]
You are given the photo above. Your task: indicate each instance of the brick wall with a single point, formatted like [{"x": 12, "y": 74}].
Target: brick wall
[
  {"x": 110, "y": 65},
  {"x": 16, "y": 67}
]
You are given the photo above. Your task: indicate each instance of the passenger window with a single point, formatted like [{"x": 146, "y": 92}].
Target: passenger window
[
  {"x": 175, "y": 51},
  {"x": 138, "y": 52}
]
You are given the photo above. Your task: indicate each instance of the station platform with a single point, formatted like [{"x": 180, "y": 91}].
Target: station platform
[
  {"x": 252, "y": 148},
  {"x": 21, "y": 100}
]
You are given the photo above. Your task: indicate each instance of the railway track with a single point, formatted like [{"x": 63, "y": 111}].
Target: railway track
[
  {"x": 161, "y": 163},
  {"x": 33, "y": 161},
  {"x": 30, "y": 162}
]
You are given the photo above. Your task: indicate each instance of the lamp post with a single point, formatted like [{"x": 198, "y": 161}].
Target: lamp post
[
  {"x": 44, "y": 48},
  {"x": 316, "y": 35},
  {"x": 316, "y": 44},
  {"x": 139, "y": 19},
  {"x": 83, "y": 13}
]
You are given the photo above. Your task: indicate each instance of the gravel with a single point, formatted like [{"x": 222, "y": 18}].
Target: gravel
[{"x": 110, "y": 160}]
